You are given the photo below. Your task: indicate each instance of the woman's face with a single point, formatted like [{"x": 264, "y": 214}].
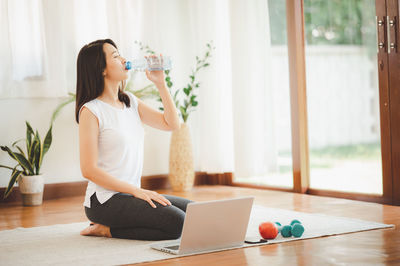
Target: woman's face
[{"x": 115, "y": 64}]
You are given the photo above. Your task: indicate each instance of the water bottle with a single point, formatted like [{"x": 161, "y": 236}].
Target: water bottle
[{"x": 151, "y": 63}]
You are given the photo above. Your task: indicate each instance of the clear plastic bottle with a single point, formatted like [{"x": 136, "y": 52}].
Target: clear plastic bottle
[{"x": 151, "y": 63}]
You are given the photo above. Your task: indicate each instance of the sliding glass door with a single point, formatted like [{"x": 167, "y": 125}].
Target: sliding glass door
[
  {"x": 343, "y": 84},
  {"x": 343, "y": 96}
]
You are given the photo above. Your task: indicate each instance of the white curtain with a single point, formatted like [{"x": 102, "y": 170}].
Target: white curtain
[
  {"x": 253, "y": 112},
  {"x": 232, "y": 129}
]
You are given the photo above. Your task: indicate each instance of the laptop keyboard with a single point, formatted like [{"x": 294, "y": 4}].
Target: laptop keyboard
[{"x": 173, "y": 247}]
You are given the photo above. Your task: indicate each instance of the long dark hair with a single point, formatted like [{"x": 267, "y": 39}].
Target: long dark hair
[{"x": 91, "y": 63}]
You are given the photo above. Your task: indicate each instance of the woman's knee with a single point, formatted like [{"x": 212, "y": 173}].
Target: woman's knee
[
  {"x": 92, "y": 215},
  {"x": 175, "y": 226},
  {"x": 178, "y": 201}
]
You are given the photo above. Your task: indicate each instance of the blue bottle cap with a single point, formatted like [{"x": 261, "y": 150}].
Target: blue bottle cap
[{"x": 128, "y": 65}]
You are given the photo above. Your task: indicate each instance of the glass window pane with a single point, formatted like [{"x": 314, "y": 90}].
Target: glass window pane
[{"x": 343, "y": 96}]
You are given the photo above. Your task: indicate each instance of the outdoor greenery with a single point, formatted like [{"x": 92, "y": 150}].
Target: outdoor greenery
[
  {"x": 367, "y": 151},
  {"x": 328, "y": 22},
  {"x": 352, "y": 151},
  {"x": 328, "y": 155}
]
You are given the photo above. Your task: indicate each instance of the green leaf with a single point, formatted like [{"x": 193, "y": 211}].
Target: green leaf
[
  {"x": 4, "y": 166},
  {"x": 38, "y": 153},
  {"x": 194, "y": 103},
  {"x": 19, "y": 158},
  {"x": 47, "y": 140},
  {"x": 29, "y": 133},
  {"x": 16, "y": 142},
  {"x": 24, "y": 162},
  {"x": 169, "y": 84},
  {"x": 166, "y": 72},
  {"x": 38, "y": 157},
  {"x": 161, "y": 108},
  {"x": 31, "y": 154},
  {"x": 186, "y": 90},
  {"x": 14, "y": 177},
  {"x": 185, "y": 117},
  {"x": 183, "y": 111},
  {"x": 168, "y": 78},
  {"x": 22, "y": 152}
]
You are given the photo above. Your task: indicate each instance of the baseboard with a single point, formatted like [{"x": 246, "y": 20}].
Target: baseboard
[{"x": 154, "y": 182}]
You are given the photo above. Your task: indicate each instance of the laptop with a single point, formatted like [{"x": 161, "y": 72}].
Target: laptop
[{"x": 211, "y": 226}]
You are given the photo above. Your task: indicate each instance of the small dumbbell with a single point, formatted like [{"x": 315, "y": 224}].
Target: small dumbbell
[{"x": 295, "y": 229}]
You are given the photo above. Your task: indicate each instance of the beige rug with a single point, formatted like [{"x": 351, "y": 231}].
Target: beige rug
[{"x": 62, "y": 244}]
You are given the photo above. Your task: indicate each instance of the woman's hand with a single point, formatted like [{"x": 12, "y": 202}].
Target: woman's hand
[
  {"x": 156, "y": 76},
  {"x": 149, "y": 195}
]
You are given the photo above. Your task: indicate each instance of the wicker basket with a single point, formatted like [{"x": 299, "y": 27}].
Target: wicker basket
[{"x": 181, "y": 170}]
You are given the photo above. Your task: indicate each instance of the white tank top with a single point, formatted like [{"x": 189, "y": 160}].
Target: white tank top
[{"x": 120, "y": 145}]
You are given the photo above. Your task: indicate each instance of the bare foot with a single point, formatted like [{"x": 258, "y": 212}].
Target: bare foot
[{"x": 96, "y": 230}]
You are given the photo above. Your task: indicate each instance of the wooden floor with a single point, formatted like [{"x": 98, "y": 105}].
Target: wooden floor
[{"x": 375, "y": 247}]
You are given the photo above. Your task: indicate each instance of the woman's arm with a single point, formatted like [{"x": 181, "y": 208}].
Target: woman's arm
[
  {"x": 170, "y": 115},
  {"x": 103, "y": 179},
  {"x": 170, "y": 112}
]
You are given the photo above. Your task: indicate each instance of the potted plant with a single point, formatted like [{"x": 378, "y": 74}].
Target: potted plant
[
  {"x": 181, "y": 169},
  {"x": 27, "y": 170}
]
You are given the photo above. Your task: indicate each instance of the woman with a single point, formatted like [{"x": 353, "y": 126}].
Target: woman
[{"x": 111, "y": 138}]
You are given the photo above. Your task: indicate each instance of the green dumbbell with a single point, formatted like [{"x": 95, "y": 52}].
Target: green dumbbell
[
  {"x": 297, "y": 228},
  {"x": 286, "y": 231}
]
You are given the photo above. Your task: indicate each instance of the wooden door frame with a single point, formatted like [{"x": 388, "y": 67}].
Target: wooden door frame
[
  {"x": 298, "y": 96},
  {"x": 384, "y": 106},
  {"x": 393, "y": 33}
]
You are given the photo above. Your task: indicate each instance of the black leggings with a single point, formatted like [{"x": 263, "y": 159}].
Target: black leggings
[{"x": 132, "y": 218}]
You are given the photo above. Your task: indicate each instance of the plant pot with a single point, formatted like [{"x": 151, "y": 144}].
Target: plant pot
[
  {"x": 181, "y": 170},
  {"x": 31, "y": 188}
]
